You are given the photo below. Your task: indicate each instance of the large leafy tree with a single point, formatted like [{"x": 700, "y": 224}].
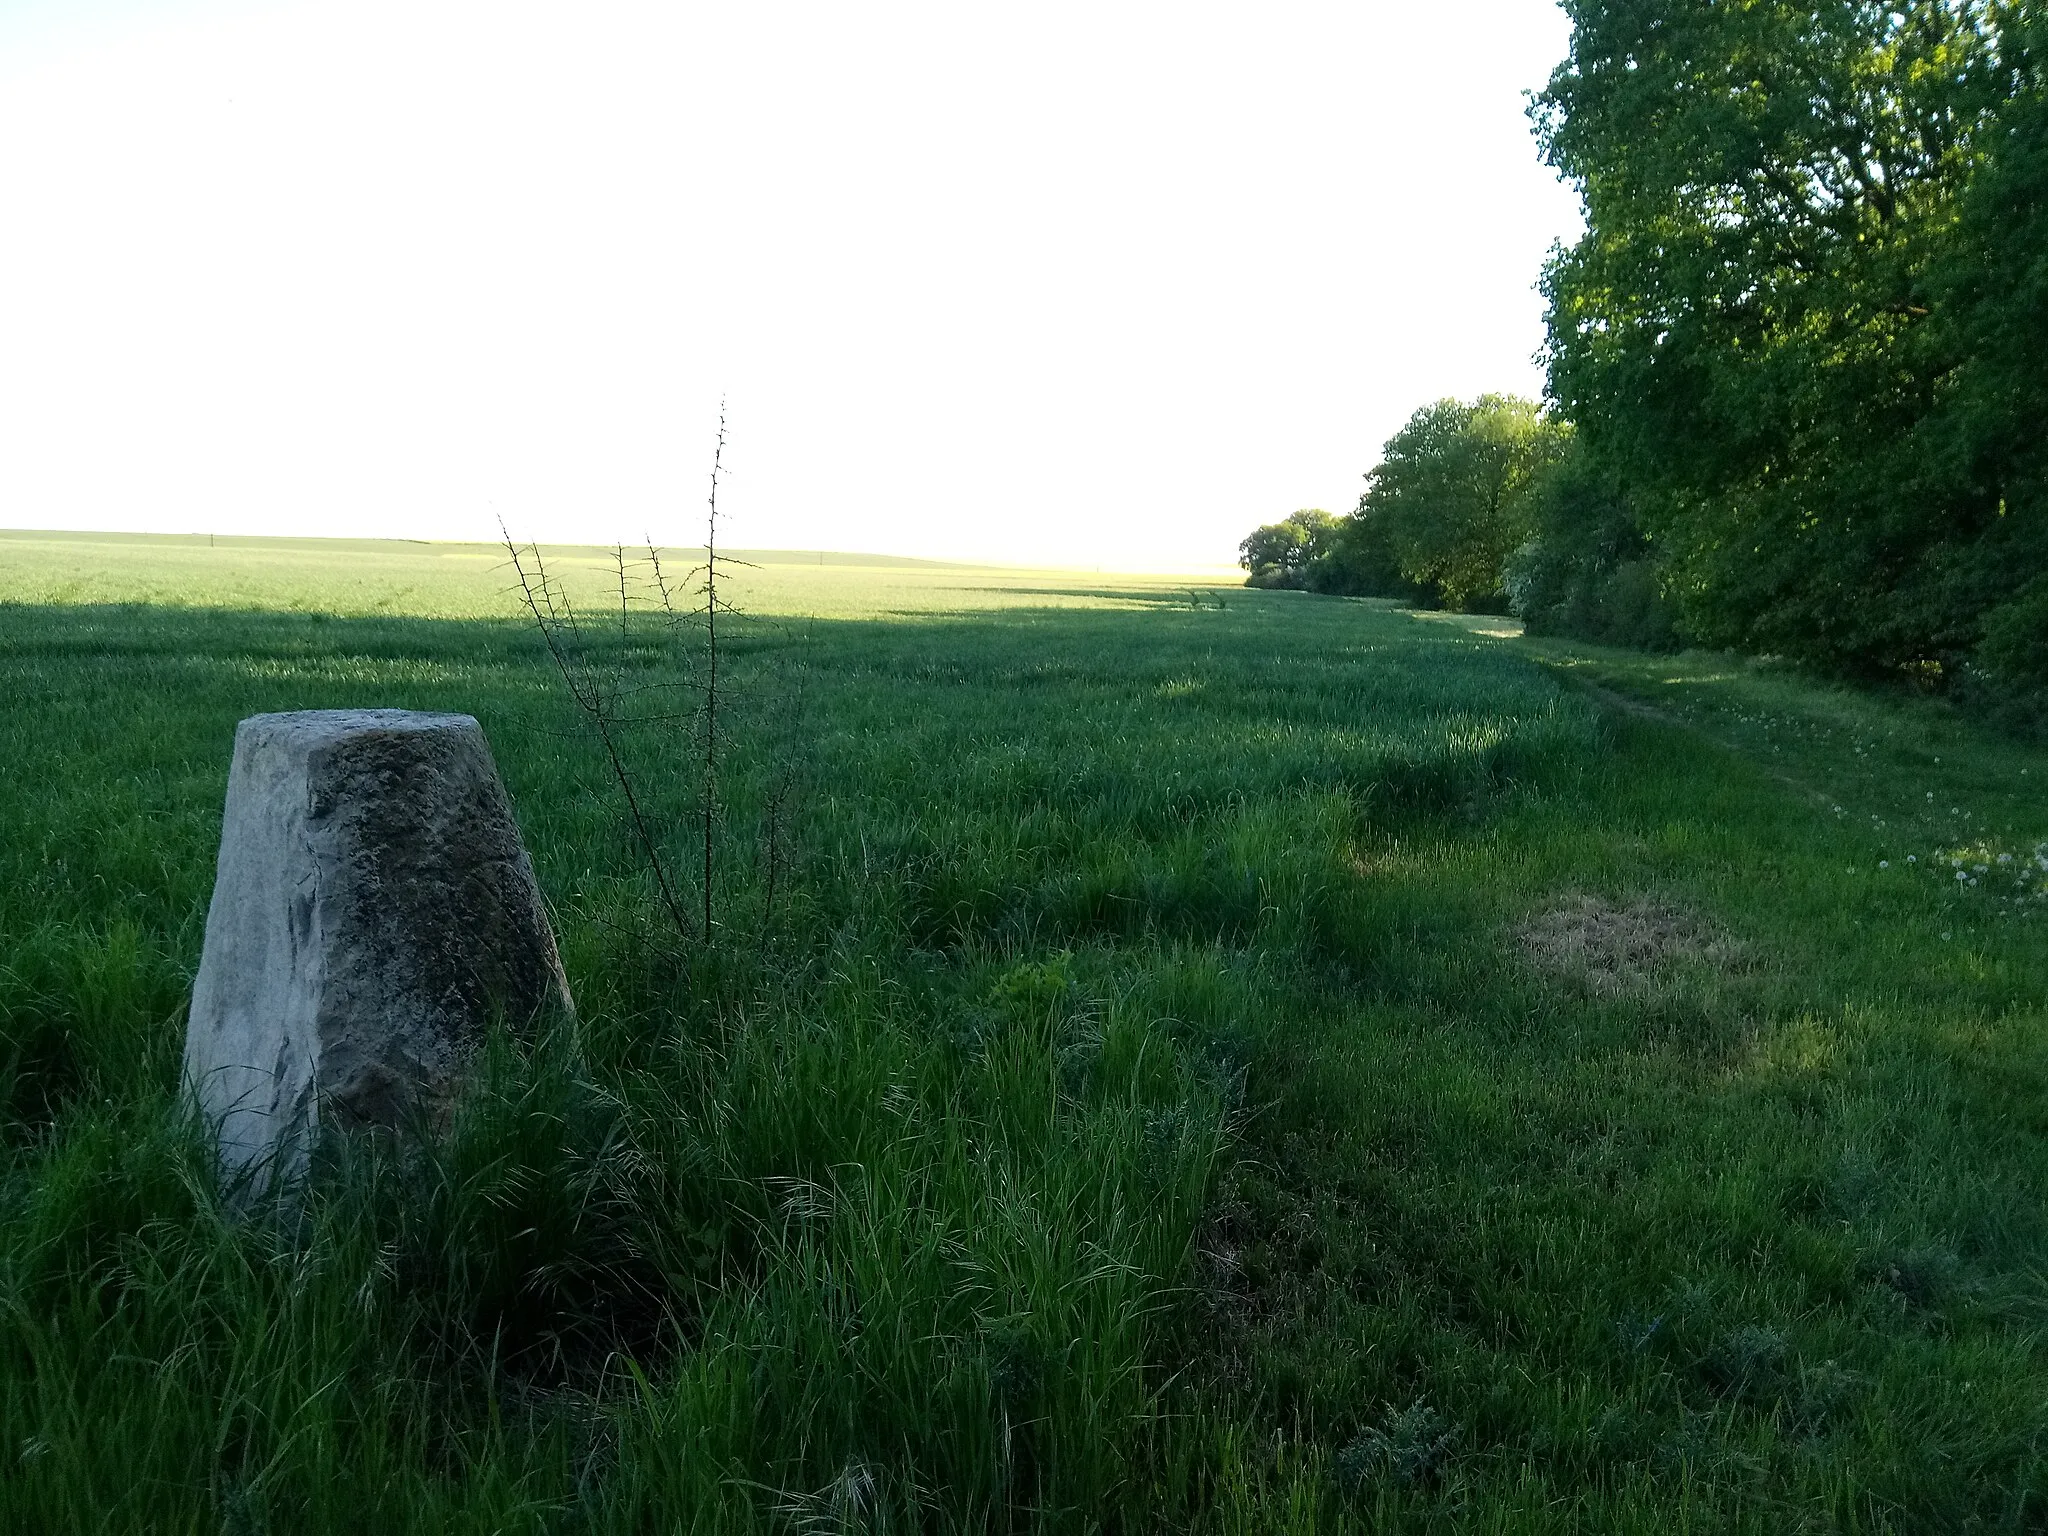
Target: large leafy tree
[
  {"x": 1993, "y": 427},
  {"x": 1588, "y": 569},
  {"x": 1451, "y": 495},
  {"x": 1771, "y": 332},
  {"x": 1280, "y": 554}
]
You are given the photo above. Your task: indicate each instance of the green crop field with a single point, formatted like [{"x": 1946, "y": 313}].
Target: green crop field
[{"x": 1212, "y": 1061}]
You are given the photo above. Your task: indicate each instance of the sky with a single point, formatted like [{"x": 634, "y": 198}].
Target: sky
[{"x": 1100, "y": 283}]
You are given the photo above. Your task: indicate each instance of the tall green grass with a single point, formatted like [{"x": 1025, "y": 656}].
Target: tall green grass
[{"x": 1144, "y": 1111}]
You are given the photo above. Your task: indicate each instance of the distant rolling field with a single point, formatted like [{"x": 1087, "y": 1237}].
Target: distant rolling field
[
  {"x": 361, "y": 577},
  {"x": 1212, "y": 1061}
]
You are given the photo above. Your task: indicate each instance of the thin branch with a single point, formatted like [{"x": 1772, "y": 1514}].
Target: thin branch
[
  {"x": 710, "y": 791},
  {"x": 593, "y": 708}
]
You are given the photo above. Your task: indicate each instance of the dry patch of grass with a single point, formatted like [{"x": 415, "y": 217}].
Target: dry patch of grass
[{"x": 1613, "y": 950}]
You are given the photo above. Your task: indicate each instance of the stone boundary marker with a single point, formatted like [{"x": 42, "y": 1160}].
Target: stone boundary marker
[{"x": 373, "y": 911}]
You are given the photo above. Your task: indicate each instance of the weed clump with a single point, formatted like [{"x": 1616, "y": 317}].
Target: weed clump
[{"x": 1409, "y": 1448}]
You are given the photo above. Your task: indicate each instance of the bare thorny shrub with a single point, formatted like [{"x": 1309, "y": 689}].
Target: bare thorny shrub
[{"x": 650, "y": 675}]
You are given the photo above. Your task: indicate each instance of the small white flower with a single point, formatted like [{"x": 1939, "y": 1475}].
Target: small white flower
[
  {"x": 1912, "y": 858},
  {"x": 1884, "y": 863}
]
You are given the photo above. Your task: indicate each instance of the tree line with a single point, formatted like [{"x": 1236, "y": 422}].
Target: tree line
[{"x": 1797, "y": 395}]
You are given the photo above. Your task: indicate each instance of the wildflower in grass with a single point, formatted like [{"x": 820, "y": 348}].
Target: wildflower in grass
[{"x": 1884, "y": 863}]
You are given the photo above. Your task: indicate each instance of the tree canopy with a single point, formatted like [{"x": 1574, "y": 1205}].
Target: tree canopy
[
  {"x": 1280, "y": 554},
  {"x": 1790, "y": 330},
  {"x": 1797, "y": 364},
  {"x": 1451, "y": 493},
  {"x": 1448, "y": 502}
]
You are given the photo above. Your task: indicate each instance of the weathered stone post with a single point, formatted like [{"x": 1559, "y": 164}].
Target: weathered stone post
[{"x": 373, "y": 910}]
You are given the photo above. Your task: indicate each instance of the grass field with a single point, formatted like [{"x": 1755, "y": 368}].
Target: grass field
[{"x": 1221, "y": 1061}]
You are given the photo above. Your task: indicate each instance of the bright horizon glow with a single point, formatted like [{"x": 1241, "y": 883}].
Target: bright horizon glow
[{"x": 1072, "y": 284}]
